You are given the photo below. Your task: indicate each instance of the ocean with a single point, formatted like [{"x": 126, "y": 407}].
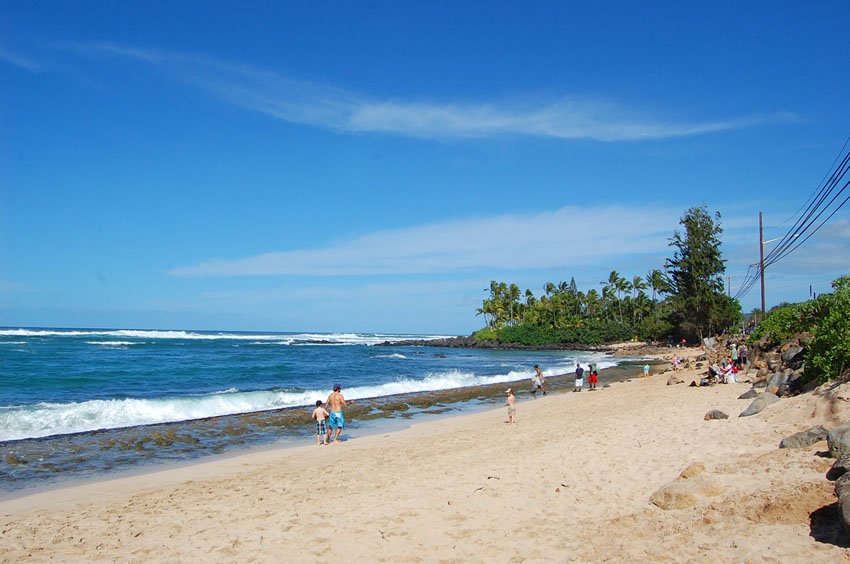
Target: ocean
[{"x": 88, "y": 402}]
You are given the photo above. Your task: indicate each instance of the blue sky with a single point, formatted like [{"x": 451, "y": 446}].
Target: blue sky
[{"x": 371, "y": 166}]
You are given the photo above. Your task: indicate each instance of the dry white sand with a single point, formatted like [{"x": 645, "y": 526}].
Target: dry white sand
[{"x": 571, "y": 481}]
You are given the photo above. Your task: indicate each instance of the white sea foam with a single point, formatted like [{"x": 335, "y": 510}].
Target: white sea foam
[
  {"x": 13, "y": 342},
  {"x": 287, "y": 339},
  {"x": 44, "y": 419},
  {"x": 394, "y": 355},
  {"x": 115, "y": 343}
]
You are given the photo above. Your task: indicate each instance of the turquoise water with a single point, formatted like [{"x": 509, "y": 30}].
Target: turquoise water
[{"x": 68, "y": 394}]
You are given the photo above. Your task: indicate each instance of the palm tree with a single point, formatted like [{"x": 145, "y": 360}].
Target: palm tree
[
  {"x": 513, "y": 296},
  {"x": 591, "y": 300},
  {"x": 607, "y": 297},
  {"x": 621, "y": 285},
  {"x": 655, "y": 280},
  {"x": 638, "y": 285}
]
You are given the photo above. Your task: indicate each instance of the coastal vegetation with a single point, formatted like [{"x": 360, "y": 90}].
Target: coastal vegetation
[
  {"x": 825, "y": 323},
  {"x": 685, "y": 299}
]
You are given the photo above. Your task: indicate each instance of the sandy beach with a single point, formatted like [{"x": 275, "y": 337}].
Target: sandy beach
[{"x": 573, "y": 480}]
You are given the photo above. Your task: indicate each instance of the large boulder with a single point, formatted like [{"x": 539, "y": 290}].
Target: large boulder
[
  {"x": 839, "y": 468},
  {"x": 838, "y": 440},
  {"x": 749, "y": 394},
  {"x": 758, "y": 404},
  {"x": 804, "y": 438},
  {"x": 793, "y": 356},
  {"x": 777, "y": 380},
  {"x": 715, "y": 414},
  {"x": 842, "y": 490}
]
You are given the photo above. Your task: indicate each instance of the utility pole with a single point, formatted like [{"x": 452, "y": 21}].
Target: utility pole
[{"x": 761, "y": 263}]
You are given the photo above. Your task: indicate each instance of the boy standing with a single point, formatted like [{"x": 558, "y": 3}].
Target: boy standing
[
  {"x": 511, "y": 403},
  {"x": 319, "y": 414}
]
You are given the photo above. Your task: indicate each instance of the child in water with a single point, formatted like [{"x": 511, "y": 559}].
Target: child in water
[{"x": 320, "y": 414}]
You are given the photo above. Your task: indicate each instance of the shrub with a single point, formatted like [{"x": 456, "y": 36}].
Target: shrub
[
  {"x": 828, "y": 355},
  {"x": 782, "y": 323},
  {"x": 827, "y": 318},
  {"x": 485, "y": 335}
]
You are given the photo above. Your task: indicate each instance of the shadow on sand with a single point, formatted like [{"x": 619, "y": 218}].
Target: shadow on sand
[{"x": 825, "y": 526}]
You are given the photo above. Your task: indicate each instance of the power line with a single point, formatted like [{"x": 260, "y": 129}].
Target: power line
[
  {"x": 818, "y": 203},
  {"x": 818, "y": 184}
]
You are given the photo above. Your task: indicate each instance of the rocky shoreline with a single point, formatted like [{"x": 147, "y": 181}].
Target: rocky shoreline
[
  {"x": 471, "y": 343},
  {"x": 775, "y": 374}
]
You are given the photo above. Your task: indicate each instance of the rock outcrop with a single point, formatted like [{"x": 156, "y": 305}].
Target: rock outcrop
[
  {"x": 804, "y": 438},
  {"x": 757, "y": 406},
  {"x": 686, "y": 490},
  {"x": 838, "y": 440},
  {"x": 749, "y": 394}
]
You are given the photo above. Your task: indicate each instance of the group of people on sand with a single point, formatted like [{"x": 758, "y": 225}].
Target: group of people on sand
[
  {"x": 329, "y": 421},
  {"x": 727, "y": 371},
  {"x": 538, "y": 383}
]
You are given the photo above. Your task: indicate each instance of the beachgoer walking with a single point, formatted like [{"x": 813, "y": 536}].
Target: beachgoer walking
[
  {"x": 579, "y": 377},
  {"x": 645, "y": 370},
  {"x": 320, "y": 414},
  {"x": 538, "y": 381},
  {"x": 511, "y": 403},
  {"x": 336, "y": 403},
  {"x": 540, "y": 378}
]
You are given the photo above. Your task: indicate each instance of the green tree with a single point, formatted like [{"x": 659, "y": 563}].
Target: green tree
[
  {"x": 828, "y": 355},
  {"x": 655, "y": 281},
  {"x": 694, "y": 277}
]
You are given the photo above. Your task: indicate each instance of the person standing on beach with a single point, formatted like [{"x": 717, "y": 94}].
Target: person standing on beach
[
  {"x": 593, "y": 379},
  {"x": 319, "y": 414},
  {"x": 538, "y": 381},
  {"x": 511, "y": 403},
  {"x": 579, "y": 377},
  {"x": 336, "y": 403}
]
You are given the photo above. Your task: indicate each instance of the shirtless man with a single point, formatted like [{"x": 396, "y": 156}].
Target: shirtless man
[
  {"x": 336, "y": 403},
  {"x": 538, "y": 381}
]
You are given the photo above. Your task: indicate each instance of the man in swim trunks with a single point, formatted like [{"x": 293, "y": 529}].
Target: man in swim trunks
[{"x": 336, "y": 403}]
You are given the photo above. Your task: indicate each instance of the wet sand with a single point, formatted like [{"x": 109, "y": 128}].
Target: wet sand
[{"x": 572, "y": 480}]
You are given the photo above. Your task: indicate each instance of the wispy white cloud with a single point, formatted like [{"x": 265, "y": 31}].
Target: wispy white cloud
[
  {"x": 19, "y": 61},
  {"x": 309, "y": 103},
  {"x": 558, "y": 239}
]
